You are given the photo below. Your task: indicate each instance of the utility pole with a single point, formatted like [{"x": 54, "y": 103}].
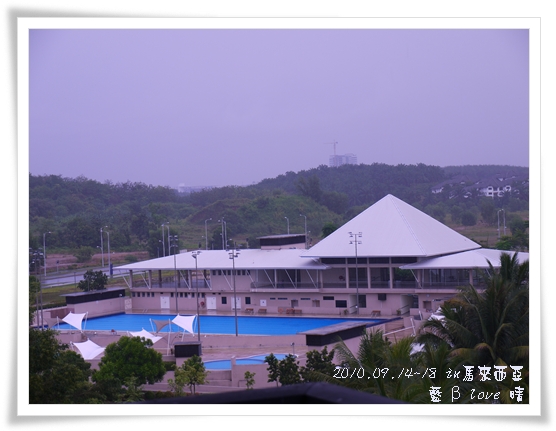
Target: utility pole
[{"x": 356, "y": 241}]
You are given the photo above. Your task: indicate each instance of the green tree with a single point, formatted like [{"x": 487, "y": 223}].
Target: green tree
[
  {"x": 273, "y": 368},
  {"x": 488, "y": 211},
  {"x": 56, "y": 375},
  {"x": 328, "y": 228},
  {"x": 468, "y": 219},
  {"x": 283, "y": 372},
  {"x": 318, "y": 364},
  {"x": 84, "y": 254},
  {"x": 34, "y": 289},
  {"x": 288, "y": 369},
  {"x": 130, "y": 357},
  {"x": 249, "y": 379},
  {"x": 192, "y": 373},
  {"x": 310, "y": 187},
  {"x": 93, "y": 280},
  {"x": 488, "y": 327}
]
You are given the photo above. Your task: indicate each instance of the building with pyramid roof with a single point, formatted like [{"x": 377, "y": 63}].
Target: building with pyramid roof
[{"x": 390, "y": 260}]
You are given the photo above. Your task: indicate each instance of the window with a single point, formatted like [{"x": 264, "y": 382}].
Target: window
[
  {"x": 224, "y": 300},
  {"x": 247, "y": 300},
  {"x": 328, "y": 298},
  {"x": 341, "y": 303}
]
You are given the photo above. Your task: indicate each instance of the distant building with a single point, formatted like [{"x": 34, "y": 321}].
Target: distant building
[
  {"x": 342, "y": 159},
  {"x": 183, "y": 189}
]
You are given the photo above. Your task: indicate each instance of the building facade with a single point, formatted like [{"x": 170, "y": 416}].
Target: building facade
[{"x": 390, "y": 260}]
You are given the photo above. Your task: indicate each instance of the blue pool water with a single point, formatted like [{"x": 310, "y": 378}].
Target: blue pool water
[
  {"x": 226, "y": 364},
  {"x": 247, "y": 325}
]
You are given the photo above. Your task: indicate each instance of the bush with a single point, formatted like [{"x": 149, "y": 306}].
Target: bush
[{"x": 468, "y": 219}]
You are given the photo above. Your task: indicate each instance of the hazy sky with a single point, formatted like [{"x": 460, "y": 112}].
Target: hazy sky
[{"x": 232, "y": 107}]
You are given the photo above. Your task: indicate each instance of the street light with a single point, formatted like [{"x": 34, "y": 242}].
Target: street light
[
  {"x": 224, "y": 234},
  {"x": 109, "y": 264},
  {"x": 168, "y": 226},
  {"x": 233, "y": 254},
  {"x": 194, "y": 254},
  {"x": 163, "y": 245},
  {"x": 356, "y": 241},
  {"x": 101, "y": 248},
  {"x": 504, "y": 213},
  {"x": 288, "y": 220},
  {"x": 301, "y": 215},
  {"x": 173, "y": 241},
  {"x": 44, "y": 250},
  {"x": 206, "y": 233},
  {"x": 36, "y": 261}
]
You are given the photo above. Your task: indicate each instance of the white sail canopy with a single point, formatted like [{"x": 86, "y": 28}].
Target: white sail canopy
[
  {"x": 89, "y": 349},
  {"x": 75, "y": 320},
  {"x": 145, "y": 334},
  {"x": 185, "y": 322}
]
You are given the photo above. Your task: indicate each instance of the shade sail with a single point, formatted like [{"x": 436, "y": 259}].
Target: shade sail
[
  {"x": 89, "y": 350},
  {"x": 185, "y": 322},
  {"x": 160, "y": 324},
  {"x": 145, "y": 334},
  {"x": 75, "y": 320}
]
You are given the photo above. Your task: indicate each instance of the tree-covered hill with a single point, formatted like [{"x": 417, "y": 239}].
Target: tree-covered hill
[{"x": 74, "y": 210}]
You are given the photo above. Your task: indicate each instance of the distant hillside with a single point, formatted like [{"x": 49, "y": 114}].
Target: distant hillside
[{"x": 74, "y": 210}]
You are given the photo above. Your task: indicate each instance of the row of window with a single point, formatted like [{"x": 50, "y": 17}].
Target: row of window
[
  {"x": 339, "y": 303},
  {"x": 152, "y": 295},
  {"x": 369, "y": 260},
  {"x": 229, "y": 272}
]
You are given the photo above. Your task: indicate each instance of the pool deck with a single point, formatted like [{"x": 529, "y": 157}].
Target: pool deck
[{"x": 226, "y": 346}]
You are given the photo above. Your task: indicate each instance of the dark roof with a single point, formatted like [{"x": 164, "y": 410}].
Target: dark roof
[{"x": 303, "y": 393}]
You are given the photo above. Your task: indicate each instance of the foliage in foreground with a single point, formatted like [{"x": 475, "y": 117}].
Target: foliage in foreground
[{"x": 191, "y": 373}]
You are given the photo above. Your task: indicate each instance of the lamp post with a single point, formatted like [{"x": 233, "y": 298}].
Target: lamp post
[
  {"x": 102, "y": 245},
  {"x": 233, "y": 254},
  {"x": 504, "y": 214},
  {"x": 109, "y": 262},
  {"x": 44, "y": 250},
  {"x": 206, "y": 233},
  {"x": 168, "y": 226},
  {"x": 194, "y": 254},
  {"x": 173, "y": 241},
  {"x": 36, "y": 261},
  {"x": 288, "y": 220},
  {"x": 163, "y": 246},
  {"x": 301, "y": 215},
  {"x": 224, "y": 233},
  {"x": 356, "y": 241}
]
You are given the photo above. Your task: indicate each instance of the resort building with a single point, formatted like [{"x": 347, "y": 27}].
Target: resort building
[{"x": 390, "y": 260}]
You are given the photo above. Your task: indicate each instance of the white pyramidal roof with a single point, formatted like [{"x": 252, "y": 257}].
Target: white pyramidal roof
[
  {"x": 391, "y": 228},
  {"x": 468, "y": 259},
  {"x": 220, "y": 259}
]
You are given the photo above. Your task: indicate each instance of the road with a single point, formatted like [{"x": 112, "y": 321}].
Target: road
[{"x": 63, "y": 278}]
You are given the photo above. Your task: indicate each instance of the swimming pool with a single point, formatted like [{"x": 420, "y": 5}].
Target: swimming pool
[
  {"x": 247, "y": 325},
  {"x": 226, "y": 364}
]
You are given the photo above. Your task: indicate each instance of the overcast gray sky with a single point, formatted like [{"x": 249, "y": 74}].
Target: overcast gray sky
[{"x": 232, "y": 107}]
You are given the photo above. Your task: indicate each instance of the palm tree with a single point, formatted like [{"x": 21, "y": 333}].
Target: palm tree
[{"x": 489, "y": 327}]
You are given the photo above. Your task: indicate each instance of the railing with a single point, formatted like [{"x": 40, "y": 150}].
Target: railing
[{"x": 282, "y": 285}]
